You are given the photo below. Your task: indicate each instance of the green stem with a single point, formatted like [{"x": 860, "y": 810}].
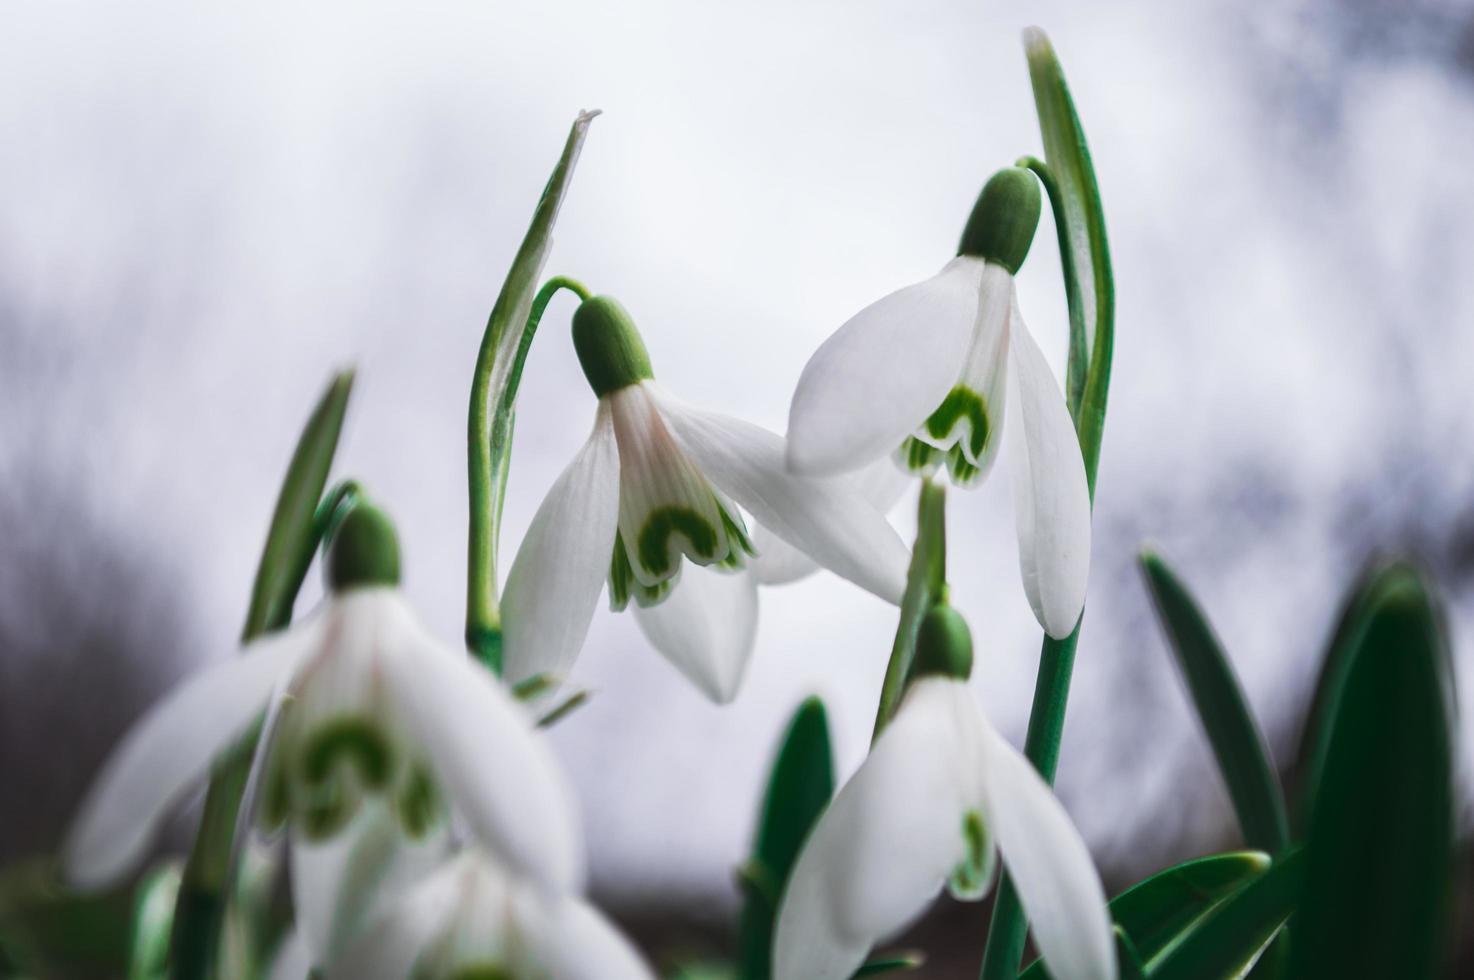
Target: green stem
[
  {"x": 925, "y": 583},
  {"x": 1073, "y": 184},
  {"x": 490, "y": 450}
]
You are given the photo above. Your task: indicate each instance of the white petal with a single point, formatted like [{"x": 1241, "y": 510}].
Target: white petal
[
  {"x": 568, "y": 939},
  {"x": 342, "y": 885},
  {"x": 291, "y": 960},
  {"x": 171, "y": 747},
  {"x": 391, "y": 948},
  {"x": 1051, "y": 500},
  {"x": 1048, "y": 863},
  {"x": 778, "y": 562},
  {"x": 706, "y": 627},
  {"x": 499, "y": 772},
  {"x": 835, "y": 526},
  {"x": 874, "y": 381},
  {"x": 884, "y": 848},
  {"x": 554, "y": 584}
]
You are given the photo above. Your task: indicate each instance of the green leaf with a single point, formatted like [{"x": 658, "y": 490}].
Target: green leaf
[
  {"x": 910, "y": 960},
  {"x": 491, "y": 417},
  {"x": 291, "y": 541},
  {"x": 153, "y": 920},
  {"x": 1379, "y": 824},
  {"x": 49, "y": 928},
  {"x": 1243, "y": 758},
  {"x": 1085, "y": 252},
  {"x": 799, "y": 788},
  {"x": 1159, "y": 911},
  {"x": 926, "y": 582},
  {"x": 1227, "y": 941}
]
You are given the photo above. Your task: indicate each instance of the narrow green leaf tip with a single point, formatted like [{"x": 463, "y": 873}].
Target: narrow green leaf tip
[
  {"x": 365, "y": 551},
  {"x": 1243, "y": 757},
  {"x": 609, "y": 346},
  {"x": 1003, "y": 221}
]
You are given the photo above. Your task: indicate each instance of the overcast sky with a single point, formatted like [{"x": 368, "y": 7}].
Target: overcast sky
[{"x": 205, "y": 212}]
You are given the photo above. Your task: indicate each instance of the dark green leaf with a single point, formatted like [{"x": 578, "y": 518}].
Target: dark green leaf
[
  {"x": 46, "y": 924},
  {"x": 1379, "y": 822},
  {"x": 799, "y": 788},
  {"x": 1231, "y": 936},
  {"x": 290, "y": 542},
  {"x": 891, "y": 964},
  {"x": 153, "y": 920},
  {"x": 1128, "y": 960},
  {"x": 1243, "y": 758},
  {"x": 1157, "y": 911}
]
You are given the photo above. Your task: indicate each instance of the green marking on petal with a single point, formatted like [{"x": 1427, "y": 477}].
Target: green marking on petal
[
  {"x": 739, "y": 545},
  {"x": 351, "y": 739},
  {"x": 654, "y": 543},
  {"x": 323, "y": 818},
  {"x": 418, "y": 803},
  {"x": 973, "y": 876},
  {"x": 962, "y": 403},
  {"x": 918, "y": 457},
  {"x": 963, "y": 472},
  {"x": 623, "y": 585}
]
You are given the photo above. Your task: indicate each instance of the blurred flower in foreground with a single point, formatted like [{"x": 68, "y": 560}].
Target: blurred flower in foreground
[
  {"x": 471, "y": 918},
  {"x": 926, "y": 369},
  {"x": 940, "y": 794},
  {"x": 659, "y": 480},
  {"x": 374, "y": 708}
]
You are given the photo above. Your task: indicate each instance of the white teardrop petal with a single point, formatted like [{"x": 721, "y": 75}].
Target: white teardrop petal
[
  {"x": 884, "y": 371},
  {"x": 1048, "y": 863},
  {"x": 882, "y": 850},
  {"x": 171, "y": 747},
  {"x": 833, "y": 524},
  {"x": 706, "y": 627},
  {"x": 554, "y": 584},
  {"x": 499, "y": 772},
  {"x": 1050, "y": 495},
  {"x": 568, "y": 939},
  {"x": 391, "y": 949}
]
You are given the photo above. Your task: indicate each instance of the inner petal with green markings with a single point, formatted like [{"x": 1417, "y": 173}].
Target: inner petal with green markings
[
  {"x": 335, "y": 743},
  {"x": 962, "y": 433},
  {"x": 667, "y": 507}
]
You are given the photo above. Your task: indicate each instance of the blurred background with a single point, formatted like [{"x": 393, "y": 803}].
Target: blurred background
[{"x": 204, "y": 212}]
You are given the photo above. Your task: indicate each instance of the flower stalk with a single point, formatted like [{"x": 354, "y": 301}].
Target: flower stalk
[
  {"x": 926, "y": 585},
  {"x": 509, "y": 332},
  {"x": 1090, "y": 291}
]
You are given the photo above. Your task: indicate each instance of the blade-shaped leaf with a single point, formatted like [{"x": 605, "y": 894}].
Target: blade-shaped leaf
[
  {"x": 1243, "y": 758},
  {"x": 1228, "y": 940},
  {"x": 153, "y": 920},
  {"x": 891, "y": 964},
  {"x": 290, "y": 542},
  {"x": 799, "y": 788},
  {"x": 1157, "y": 912},
  {"x": 1380, "y": 809}
]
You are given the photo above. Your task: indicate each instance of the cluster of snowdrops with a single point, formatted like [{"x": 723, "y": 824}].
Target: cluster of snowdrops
[{"x": 432, "y": 832}]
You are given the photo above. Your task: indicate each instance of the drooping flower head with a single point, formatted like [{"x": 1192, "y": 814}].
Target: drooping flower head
[
  {"x": 372, "y": 708},
  {"x": 940, "y": 795},
  {"x": 925, "y": 374},
  {"x": 650, "y": 504},
  {"x": 471, "y": 918}
]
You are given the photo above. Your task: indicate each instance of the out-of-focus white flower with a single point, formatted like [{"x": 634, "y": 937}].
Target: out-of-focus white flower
[
  {"x": 471, "y": 918},
  {"x": 927, "y": 368},
  {"x": 940, "y": 794},
  {"x": 374, "y": 709},
  {"x": 658, "y": 482}
]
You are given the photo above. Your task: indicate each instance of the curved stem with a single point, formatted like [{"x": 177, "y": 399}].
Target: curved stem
[
  {"x": 925, "y": 584},
  {"x": 490, "y": 450}
]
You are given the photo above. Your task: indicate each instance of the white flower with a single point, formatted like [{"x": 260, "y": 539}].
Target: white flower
[
  {"x": 927, "y": 368},
  {"x": 940, "y": 793},
  {"x": 472, "y": 918},
  {"x": 657, "y": 486},
  {"x": 375, "y": 708}
]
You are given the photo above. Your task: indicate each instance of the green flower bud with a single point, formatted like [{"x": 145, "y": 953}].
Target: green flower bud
[
  {"x": 609, "y": 347},
  {"x": 943, "y": 645},
  {"x": 1001, "y": 227},
  {"x": 365, "y": 551}
]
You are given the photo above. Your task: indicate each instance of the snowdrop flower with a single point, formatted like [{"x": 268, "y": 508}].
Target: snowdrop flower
[
  {"x": 374, "y": 708},
  {"x": 926, "y": 369},
  {"x": 941, "y": 792},
  {"x": 473, "y": 919},
  {"x": 650, "y": 503}
]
